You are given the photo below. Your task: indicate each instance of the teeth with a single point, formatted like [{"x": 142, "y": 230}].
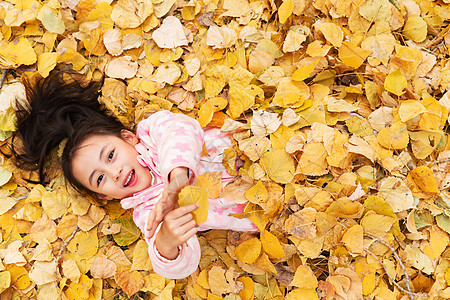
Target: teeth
[{"x": 129, "y": 178}]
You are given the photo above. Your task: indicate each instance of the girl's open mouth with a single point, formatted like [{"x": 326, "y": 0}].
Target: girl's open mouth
[{"x": 131, "y": 179}]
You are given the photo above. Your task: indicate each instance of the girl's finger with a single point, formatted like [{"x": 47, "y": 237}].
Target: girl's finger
[
  {"x": 181, "y": 224},
  {"x": 188, "y": 234},
  {"x": 151, "y": 217},
  {"x": 178, "y": 212}
]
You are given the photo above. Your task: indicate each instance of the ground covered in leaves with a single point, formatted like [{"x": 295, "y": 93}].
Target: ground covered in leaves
[{"x": 338, "y": 109}]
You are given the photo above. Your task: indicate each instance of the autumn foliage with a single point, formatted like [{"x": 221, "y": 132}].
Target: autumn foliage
[{"x": 338, "y": 111}]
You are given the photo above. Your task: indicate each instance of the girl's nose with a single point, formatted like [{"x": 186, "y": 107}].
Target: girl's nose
[{"x": 116, "y": 173}]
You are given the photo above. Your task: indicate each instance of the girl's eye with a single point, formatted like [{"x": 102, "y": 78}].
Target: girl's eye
[
  {"x": 110, "y": 156},
  {"x": 99, "y": 179}
]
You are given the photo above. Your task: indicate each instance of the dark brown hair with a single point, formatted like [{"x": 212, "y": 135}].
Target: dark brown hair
[{"x": 59, "y": 107}]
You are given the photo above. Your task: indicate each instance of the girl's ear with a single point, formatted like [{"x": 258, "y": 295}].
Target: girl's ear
[{"x": 129, "y": 137}]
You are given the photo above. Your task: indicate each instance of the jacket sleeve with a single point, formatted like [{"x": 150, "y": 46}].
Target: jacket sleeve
[
  {"x": 173, "y": 140},
  {"x": 182, "y": 266}
]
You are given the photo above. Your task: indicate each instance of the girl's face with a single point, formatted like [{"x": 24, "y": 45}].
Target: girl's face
[{"x": 107, "y": 165}]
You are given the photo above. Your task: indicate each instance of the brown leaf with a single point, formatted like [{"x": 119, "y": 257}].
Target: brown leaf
[
  {"x": 130, "y": 281},
  {"x": 102, "y": 267}
]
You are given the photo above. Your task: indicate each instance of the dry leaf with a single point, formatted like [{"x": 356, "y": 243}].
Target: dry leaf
[
  {"x": 170, "y": 34},
  {"x": 102, "y": 267}
]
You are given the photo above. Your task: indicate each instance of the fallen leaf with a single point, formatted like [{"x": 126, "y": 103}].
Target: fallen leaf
[
  {"x": 102, "y": 267},
  {"x": 170, "y": 34},
  {"x": 194, "y": 194}
]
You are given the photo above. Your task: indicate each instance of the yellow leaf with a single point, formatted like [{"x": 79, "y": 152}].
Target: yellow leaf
[
  {"x": 43, "y": 272},
  {"x": 18, "y": 52},
  {"x": 257, "y": 193},
  {"x": 352, "y": 55},
  {"x": 80, "y": 290},
  {"x": 396, "y": 193},
  {"x": 353, "y": 239},
  {"x": 194, "y": 194},
  {"x": 278, "y": 165},
  {"x": 271, "y": 245},
  {"x": 102, "y": 12},
  {"x": 304, "y": 278},
  {"x": 394, "y": 136},
  {"x": 434, "y": 117},
  {"x": 265, "y": 264},
  {"x": 415, "y": 29},
  {"x": 345, "y": 208},
  {"x": 5, "y": 281},
  {"x": 285, "y": 10},
  {"x": 423, "y": 177},
  {"x": 84, "y": 244},
  {"x": 131, "y": 14},
  {"x": 129, "y": 232},
  {"x": 268, "y": 45},
  {"x": 220, "y": 37},
  {"x": 71, "y": 270},
  {"x": 316, "y": 48},
  {"x": 52, "y": 21},
  {"x": 303, "y": 72},
  {"x": 248, "y": 251},
  {"x": 130, "y": 281},
  {"x": 367, "y": 272},
  {"x": 249, "y": 286},
  {"x": 66, "y": 226},
  {"x": 94, "y": 215},
  {"x": 291, "y": 94},
  {"x": 332, "y": 32},
  {"x": 409, "y": 109},
  {"x": 395, "y": 82},
  {"x": 141, "y": 260},
  {"x": 438, "y": 241},
  {"x": 43, "y": 229},
  {"x": 94, "y": 42},
  {"x": 205, "y": 114},
  {"x": 19, "y": 275},
  {"x": 302, "y": 294},
  {"x": 71, "y": 56},
  {"x": 55, "y": 203},
  {"x": 6, "y": 204},
  {"x": 102, "y": 267},
  {"x": 313, "y": 160},
  {"x": 217, "y": 281},
  {"x": 296, "y": 35},
  {"x": 377, "y": 225},
  {"x": 202, "y": 279},
  {"x": 242, "y": 98}
]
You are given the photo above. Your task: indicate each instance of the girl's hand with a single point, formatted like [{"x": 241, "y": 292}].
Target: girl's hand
[
  {"x": 178, "y": 227},
  {"x": 169, "y": 200}
]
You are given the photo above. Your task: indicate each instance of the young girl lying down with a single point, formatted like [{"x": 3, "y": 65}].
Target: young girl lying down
[{"x": 146, "y": 169}]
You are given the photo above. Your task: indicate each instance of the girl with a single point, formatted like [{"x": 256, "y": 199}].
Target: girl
[{"x": 146, "y": 170}]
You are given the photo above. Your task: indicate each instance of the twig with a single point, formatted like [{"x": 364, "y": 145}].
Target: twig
[
  {"x": 4, "y": 72},
  {"x": 411, "y": 294},
  {"x": 23, "y": 295},
  {"x": 438, "y": 38},
  {"x": 67, "y": 242}
]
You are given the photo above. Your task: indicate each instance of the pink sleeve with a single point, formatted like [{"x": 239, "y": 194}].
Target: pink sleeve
[
  {"x": 176, "y": 139},
  {"x": 183, "y": 266}
]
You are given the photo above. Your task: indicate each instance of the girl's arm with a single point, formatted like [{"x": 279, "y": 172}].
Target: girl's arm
[
  {"x": 174, "y": 250},
  {"x": 175, "y": 144},
  {"x": 177, "y": 228},
  {"x": 173, "y": 141},
  {"x": 178, "y": 179}
]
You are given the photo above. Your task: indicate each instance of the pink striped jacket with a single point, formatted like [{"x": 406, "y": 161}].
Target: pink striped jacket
[{"x": 169, "y": 140}]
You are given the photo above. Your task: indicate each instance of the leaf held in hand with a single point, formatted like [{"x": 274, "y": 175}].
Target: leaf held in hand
[{"x": 194, "y": 194}]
